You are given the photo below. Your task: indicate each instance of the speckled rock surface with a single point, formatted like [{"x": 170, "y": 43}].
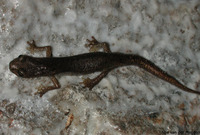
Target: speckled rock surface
[{"x": 129, "y": 100}]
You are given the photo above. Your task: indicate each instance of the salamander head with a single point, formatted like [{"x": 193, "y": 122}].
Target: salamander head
[{"x": 20, "y": 66}]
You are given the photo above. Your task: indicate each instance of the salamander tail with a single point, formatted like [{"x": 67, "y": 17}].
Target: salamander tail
[{"x": 158, "y": 72}]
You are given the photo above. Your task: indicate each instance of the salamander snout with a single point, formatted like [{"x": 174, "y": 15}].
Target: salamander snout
[{"x": 16, "y": 66}]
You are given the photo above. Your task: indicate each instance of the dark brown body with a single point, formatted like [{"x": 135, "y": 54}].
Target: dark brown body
[
  {"x": 28, "y": 67},
  {"x": 79, "y": 64}
]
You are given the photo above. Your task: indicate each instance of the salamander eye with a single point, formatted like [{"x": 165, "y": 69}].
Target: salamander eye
[
  {"x": 21, "y": 72},
  {"x": 21, "y": 58}
]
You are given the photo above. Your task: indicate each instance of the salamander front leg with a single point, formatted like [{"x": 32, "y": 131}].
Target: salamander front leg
[
  {"x": 56, "y": 85},
  {"x": 95, "y": 45},
  {"x": 33, "y": 48},
  {"x": 42, "y": 89},
  {"x": 90, "y": 83}
]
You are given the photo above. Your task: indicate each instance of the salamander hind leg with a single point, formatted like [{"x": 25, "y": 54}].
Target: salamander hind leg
[
  {"x": 33, "y": 48},
  {"x": 95, "y": 45},
  {"x": 90, "y": 83}
]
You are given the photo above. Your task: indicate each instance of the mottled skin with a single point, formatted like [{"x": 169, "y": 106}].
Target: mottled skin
[{"x": 29, "y": 67}]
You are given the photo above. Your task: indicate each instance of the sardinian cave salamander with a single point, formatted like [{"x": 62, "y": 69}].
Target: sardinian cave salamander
[{"x": 28, "y": 67}]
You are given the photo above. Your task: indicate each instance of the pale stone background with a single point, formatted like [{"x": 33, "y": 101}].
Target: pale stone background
[{"x": 129, "y": 100}]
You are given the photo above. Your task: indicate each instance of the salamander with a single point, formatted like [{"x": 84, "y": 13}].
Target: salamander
[{"x": 95, "y": 61}]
